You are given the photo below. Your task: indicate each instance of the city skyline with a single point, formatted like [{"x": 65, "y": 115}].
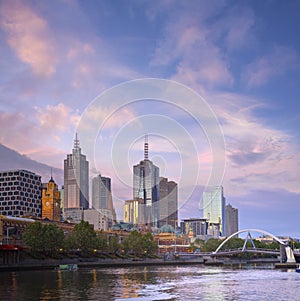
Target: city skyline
[{"x": 58, "y": 57}]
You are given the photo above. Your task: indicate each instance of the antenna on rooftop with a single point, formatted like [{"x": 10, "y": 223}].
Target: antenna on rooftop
[
  {"x": 146, "y": 148},
  {"x": 76, "y": 142}
]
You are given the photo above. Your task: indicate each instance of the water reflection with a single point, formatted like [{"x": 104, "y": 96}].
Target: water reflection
[{"x": 151, "y": 283}]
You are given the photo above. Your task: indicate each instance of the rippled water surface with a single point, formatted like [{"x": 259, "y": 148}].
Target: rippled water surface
[{"x": 152, "y": 283}]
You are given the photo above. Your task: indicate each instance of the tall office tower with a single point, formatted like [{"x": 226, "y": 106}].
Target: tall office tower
[
  {"x": 20, "y": 193},
  {"x": 168, "y": 202},
  {"x": 51, "y": 201},
  {"x": 102, "y": 196},
  {"x": 101, "y": 192},
  {"x": 76, "y": 179},
  {"x": 146, "y": 187},
  {"x": 214, "y": 207},
  {"x": 232, "y": 220}
]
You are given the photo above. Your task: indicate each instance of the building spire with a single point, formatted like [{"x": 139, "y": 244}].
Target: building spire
[
  {"x": 76, "y": 142},
  {"x": 51, "y": 179},
  {"x": 146, "y": 148}
]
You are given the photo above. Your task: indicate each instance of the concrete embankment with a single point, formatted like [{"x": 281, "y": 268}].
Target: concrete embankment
[{"x": 93, "y": 263}]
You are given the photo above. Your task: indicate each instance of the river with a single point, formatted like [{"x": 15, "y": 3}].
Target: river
[{"x": 153, "y": 283}]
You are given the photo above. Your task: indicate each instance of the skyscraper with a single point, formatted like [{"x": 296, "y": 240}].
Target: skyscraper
[
  {"x": 146, "y": 187},
  {"x": 214, "y": 207},
  {"x": 76, "y": 179},
  {"x": 102, "y": 197},
  {"x": 232, "y": 220},
  {"x": 168, "y": 202},
  {"x": 101, "y": 192}
]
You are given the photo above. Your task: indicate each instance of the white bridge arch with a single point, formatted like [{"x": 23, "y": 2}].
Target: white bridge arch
[
  {"x": 248, "y": 230},
  {"x": 289, "y": 252}
]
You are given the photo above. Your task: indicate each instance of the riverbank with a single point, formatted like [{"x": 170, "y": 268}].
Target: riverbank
[
  {"x": 82, "y": 263},
  {"x": 93, "y": 263}
]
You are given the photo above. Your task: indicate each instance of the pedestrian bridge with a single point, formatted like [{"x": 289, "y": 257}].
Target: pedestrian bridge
[{"x": 288, "y": 251}]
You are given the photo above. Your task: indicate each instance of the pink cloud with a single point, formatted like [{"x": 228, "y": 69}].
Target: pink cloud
[
  {"x": 25, "y": 133},
  {"x": 29, "y": 36},
  {"x": 276, "y": 63}
]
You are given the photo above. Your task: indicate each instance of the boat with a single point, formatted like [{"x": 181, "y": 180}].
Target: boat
[
  {"x": 298, "y": 269},
  {"x": 68, "y": 267}
]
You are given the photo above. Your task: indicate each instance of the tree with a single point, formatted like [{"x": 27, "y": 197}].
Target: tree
[
  {"x": 132, "y": 244},
  {"x": 102, "y": 243},
  {"x": 84, "y": 238},
  {"x": 33, "y": 237},
  {"x": 53, "y": 239},
  {"x": 113, "y": 244},
  {"x": 149, "y": 246},
  {"x": 212, "y": 244},
  {"x": 46, "y": 238}
]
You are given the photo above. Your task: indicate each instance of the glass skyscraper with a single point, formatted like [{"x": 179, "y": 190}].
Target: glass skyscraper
[
  {"x": 168, "y": 203},
  {"x": 146, "y": 187},
  {"x": 76, "y": 179},
  {"x": 101, "y": 192},
  {"x": 214, "y": 207}
]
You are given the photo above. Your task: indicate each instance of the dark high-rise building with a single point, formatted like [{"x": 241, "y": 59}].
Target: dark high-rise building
[
  {"x": 146, "y": 187},
  {"x": 102, "y": 196},
  {"x": 168, "y": 202},
  {"x": 101, "y": 192},
  {"x": 76, "y": 179},
  {"x": 232, "y": 220},
  {"x": 20, "y": 193}
]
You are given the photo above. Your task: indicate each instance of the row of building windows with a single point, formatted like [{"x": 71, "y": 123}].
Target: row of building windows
[
  {"x": 20, "y": 183},
  {"x": 19, "y": 173},
  {"x": 19, "y": 212},
  {"x": 18, "y": 191},
  {"x": 13, "y": 207},
  {"x": 19, "y": 198}
]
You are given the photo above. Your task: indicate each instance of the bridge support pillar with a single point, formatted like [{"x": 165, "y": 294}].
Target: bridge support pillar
[{"x": 289, "y": 254}]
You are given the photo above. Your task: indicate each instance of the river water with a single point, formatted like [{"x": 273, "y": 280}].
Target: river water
[{"x": 152, "y": 283}]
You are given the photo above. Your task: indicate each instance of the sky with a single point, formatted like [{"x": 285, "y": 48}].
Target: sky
[{"x": 214, "y": 84}]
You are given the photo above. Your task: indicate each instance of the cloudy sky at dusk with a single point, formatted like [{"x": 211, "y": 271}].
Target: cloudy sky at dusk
[{"x": 241, "y": 57}]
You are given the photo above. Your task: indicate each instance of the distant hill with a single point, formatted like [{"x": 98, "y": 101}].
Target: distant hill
[{"x": 10, "y": 159}]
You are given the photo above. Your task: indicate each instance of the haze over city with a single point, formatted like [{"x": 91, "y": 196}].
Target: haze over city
[{"x": 241, "y": 58}]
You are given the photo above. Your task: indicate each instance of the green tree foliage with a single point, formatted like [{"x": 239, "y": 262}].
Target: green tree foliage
[
  {"x": 139, "y": 244},
  {"x": 113, "y": 244},
  {"x": 83, "y": 238},
  {"x": 148, "y": 244},
  {"x": 102, "y": 243},
  {"x": 47, "y": 238},
  {"x": 33, "y": 237},
  {"x": 132, "y": 243},
  {"x": 212, "y": 244}
]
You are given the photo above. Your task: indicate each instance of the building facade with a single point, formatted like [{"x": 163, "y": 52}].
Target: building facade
[
  {"x": 101, "y": 219},
  {"x": 76, "y": 179},
  {"x": 146, "y": 187},
  {"x": 232, "y": 220},
  {"x": 133, "y": 211},
  {"x": 20, "y": 193},
  {"x": 168, "y": 202},
  {"x": 214, "y": 207},
  {"x": 194, "y": 227},
  {"x": 101, "y": 192},
  {"x": 51, "y": 201}
]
